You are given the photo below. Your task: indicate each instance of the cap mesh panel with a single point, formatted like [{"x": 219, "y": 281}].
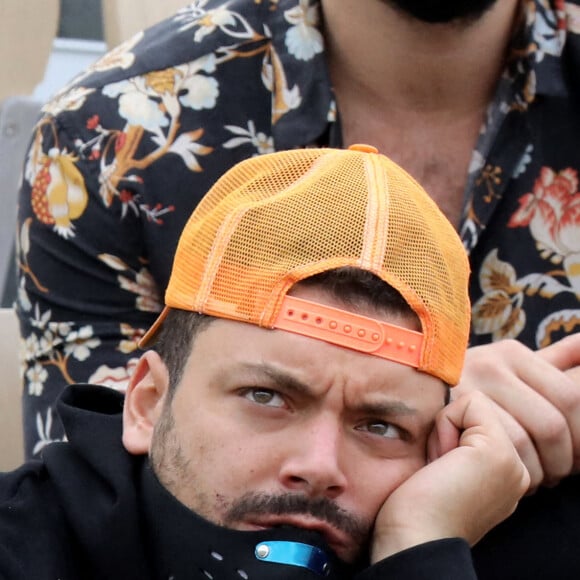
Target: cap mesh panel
[{"x": 276, "y": 219}]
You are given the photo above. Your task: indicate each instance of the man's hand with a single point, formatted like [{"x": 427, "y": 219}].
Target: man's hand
[
  {"x": 537, "y": 395},
  {"x": 473, "y": 481}
]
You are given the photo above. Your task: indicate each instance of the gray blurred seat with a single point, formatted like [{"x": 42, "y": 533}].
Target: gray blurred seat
[
  {"x": 28, "y": 31},
  {"x": 17, "y": 118},
  {"x": 11, "y": 441}
]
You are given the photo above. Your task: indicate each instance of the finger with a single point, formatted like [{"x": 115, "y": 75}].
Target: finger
[
  {"x": 443, "y": 438},
  {"x": 574, "y": 375},
  {"x": 563, "y": 354},
  {"x": 562, "y": 390},
  {"x": 472, "y": 416},
  {"x": 524, "y": 447},
  {"x": 537, "y": 394},
  {"x": 484, "y": 453},
  {"x": 542, "y": 423},
  {"x": 476, "y": 419}
]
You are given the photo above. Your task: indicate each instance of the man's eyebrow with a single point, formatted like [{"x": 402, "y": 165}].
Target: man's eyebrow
[
  {"x": 383, "y": 408},
  {"x": 279, "y": 377},
  {"x": 387, "y": 408}
]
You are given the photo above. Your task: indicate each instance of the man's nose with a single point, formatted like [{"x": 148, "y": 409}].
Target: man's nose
[{"x": 313, "y": 464}]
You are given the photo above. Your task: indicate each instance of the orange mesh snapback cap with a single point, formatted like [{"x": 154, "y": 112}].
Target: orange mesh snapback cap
[{"x": 276, "y": 219}]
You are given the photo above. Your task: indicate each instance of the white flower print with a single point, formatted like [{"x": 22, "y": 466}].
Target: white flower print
[
  {"x": 202, "y": 92},
  {"x": 303, "y": 39},
  {"x": 135, "y": 104},
  {"x": 208, "y": 21},
  {"x": 44, "y": 430},
  {"x": 262, "y": 143},
  {"x": 79, "y": 343},
  {"x": 549, "y": 39},
  {"x": 36, "y": 376},
  {"x": 72, "y": 100},
  {"x": 524, "y": 161}
]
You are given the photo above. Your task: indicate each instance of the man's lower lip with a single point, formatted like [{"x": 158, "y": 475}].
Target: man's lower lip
[
  {"x": 251, "y": 527},
  {"x": 255, "y": 527}
]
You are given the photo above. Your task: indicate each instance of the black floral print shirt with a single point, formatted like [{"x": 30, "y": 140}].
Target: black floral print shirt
[{"x": 123, "y": 154}]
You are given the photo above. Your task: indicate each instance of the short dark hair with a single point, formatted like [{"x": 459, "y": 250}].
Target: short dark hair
[
  {"x": 175, "y": 341},
  {"x": 351, "y": 286}
]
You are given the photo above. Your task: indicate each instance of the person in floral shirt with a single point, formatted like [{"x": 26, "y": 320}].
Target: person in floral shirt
[{"x": 478, "y": 100}]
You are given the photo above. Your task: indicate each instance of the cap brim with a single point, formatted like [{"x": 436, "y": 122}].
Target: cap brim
[{"x": 151, "y": 335}]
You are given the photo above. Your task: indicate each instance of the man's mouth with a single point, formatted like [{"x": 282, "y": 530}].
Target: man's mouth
[
  {"x": 337, "y": 540},
  {"x": 343, "y": 531}
]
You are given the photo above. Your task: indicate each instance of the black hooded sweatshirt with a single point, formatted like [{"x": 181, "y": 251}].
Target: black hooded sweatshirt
[{"x": 89, "y": 510}]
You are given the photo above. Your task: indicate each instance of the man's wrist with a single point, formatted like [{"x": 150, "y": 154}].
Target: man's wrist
[{"x": 396, "y": 541}]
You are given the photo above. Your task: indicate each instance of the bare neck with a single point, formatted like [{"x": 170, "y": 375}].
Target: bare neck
[
  {"x": 416, "y": 91},
  {"x": 388, "y": 61}
]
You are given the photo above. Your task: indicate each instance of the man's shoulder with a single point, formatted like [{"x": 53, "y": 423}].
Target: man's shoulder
[
  {"x": 51, "y": 508},
  {"x": 187, "y": 56},
  {"x": 26, "y": 488},
  {"x": 195, "y": 32},
  {"x": 33, "y": 528},
  {"x": 13, "y": 484}
]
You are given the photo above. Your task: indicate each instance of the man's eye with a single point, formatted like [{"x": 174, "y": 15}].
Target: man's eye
[
  {"x": 382, "y": 429},
  {"x": 264, "y": 397}
]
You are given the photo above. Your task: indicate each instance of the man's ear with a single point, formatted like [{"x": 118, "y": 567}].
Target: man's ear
[{"x": 144, "y": 402}]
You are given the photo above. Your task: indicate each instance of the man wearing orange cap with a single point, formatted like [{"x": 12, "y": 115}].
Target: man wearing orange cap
[
  {"x": 293, "y": 421},
  {"x": 477, "y": 99}
]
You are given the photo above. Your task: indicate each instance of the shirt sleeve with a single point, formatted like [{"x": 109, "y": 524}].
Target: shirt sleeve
[
  {"x": 448, "y": 558},
  {"x": 86, "y": 292}
]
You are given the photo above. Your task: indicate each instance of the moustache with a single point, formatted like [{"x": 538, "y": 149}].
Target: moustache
[{"x": 321, "y": 508}]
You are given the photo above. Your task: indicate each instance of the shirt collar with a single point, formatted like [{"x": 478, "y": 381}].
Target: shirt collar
[
  {"x": 302, "y": 102},
  {"x": 533, "y": 66}
]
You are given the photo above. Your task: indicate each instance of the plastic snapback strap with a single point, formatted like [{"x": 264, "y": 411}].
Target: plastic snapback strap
[{"x": 350, "y": 330}]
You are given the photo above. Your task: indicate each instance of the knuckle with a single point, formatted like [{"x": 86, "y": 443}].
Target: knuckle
[
  {"x": 484, "y": 359},
  {"x": 508, "y": 349},
  {"x": 522, "y": 443},
  {"x": 512, "y": 346},
  {"x": 553, "y": 430},
  {"x": 519, "y": 437},
  {"x": 526, "y": 481},
  {"x": 570, "y": 400},
  {"x": 508, "y": 461},
  {"x": 521, "y": 480},
  {"x": 477, "y": 397}
]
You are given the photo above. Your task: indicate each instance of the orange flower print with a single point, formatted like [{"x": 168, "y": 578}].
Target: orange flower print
[
  {"x": 552, "y": 213},
  {"x": 93, "y": 122},
  {"x": 58, "y": 193}
]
